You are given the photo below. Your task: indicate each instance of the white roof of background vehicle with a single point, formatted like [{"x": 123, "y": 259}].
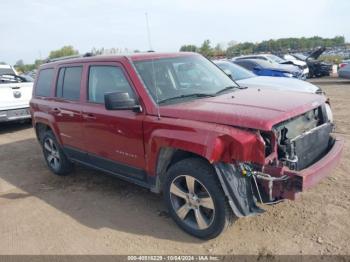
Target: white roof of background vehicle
[
  {"x": 261, "y": 55},
  {"x": 5, "y": 66},
  {"x": 9, "y": 67},
  {"x": 268, "y": 56}
]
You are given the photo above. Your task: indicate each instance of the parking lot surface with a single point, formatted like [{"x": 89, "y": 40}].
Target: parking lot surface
[{"x": 92, "y": 213}]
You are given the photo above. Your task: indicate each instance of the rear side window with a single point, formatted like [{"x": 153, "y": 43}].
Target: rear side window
[
  {"x": 43, "y": 85},
  {"x": 68, "y": 83},
  {"x": 106, "y": 79}
]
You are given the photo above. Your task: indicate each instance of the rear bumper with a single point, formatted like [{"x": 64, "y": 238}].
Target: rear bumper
[
  {"x": 15, "y": 114},
  {"x": 300, "y": 181}
]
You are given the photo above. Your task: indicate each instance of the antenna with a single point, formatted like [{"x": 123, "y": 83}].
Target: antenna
[
  {"x": 148, "y": 33},
  {"x": 153, "y": 70}
]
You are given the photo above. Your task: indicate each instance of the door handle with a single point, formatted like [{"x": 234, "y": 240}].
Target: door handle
[{"x": 89, "y": 116}]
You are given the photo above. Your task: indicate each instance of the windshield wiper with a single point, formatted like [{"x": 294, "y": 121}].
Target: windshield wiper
[
  {"x": 229, "y": 88},
  {"x": 185, "y": 96}
]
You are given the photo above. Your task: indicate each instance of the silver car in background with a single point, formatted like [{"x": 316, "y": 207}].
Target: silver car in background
[{"x": 344, "y": 72}]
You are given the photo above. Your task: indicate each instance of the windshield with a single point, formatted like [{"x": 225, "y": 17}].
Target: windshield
[
  {"x": 182, "y": 76},
  {"x": 237, "y": 72},
  {"x": 276, "y": 59}
]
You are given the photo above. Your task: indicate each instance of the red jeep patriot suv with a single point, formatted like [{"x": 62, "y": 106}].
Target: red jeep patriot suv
[{"x": 178, "y": 125}]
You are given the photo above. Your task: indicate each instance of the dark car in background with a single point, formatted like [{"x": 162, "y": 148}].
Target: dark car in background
[
  {"x": 264, "y": 68},
  {"x": 316, "y": 68}
]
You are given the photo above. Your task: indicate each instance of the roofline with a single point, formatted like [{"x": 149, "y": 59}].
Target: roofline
[{"x": 101, "y": 58}]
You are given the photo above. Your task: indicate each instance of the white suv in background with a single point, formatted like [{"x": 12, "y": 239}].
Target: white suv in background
[{"x": 15, "y": 93}]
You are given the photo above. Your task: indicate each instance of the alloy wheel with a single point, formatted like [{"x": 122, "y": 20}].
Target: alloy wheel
[
  {"x": 192, "y": 202},
  {"x": 52, "y": 153}
]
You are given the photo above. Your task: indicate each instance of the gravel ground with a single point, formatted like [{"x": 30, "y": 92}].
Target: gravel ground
[{"x": 91, "y": 213}]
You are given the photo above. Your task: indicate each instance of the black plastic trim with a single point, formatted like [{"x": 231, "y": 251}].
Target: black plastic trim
[{"x": 131, "y": 174}]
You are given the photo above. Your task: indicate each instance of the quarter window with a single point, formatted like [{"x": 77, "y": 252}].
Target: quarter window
[
  {"x": 43, "y": 86},
  {"x": 106, "y": 79},
  {"x": 68, "y": 83}
]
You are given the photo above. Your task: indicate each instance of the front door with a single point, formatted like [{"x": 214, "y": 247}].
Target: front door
[{"x": 113, "y": 138}]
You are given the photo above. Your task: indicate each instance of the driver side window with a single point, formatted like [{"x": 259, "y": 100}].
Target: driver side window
[{"x": 106, "y": 79}]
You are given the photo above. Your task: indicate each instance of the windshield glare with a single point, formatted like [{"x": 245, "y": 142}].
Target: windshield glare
[
  {"x": 179, "y": 76},
  {"x": 237, "y": 72}
]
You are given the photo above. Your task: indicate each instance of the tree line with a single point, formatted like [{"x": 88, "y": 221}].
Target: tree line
[
  {"x": 282, "y": 45},
  {"x": 64, "y": 51}
]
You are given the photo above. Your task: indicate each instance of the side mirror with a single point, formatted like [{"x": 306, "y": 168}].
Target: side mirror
[
  {"x": 228, "y": 73},
  {"x": 121, "y": 101}
]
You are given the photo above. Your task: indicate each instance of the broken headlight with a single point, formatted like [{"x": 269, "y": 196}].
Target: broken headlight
[{"x": 267, "y": 137}]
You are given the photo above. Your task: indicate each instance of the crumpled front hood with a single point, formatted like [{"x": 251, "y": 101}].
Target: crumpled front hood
[
  {"x": 248, "y": 108},
  {"x": 317, "y": 53},
  {"x": 294, "y": 62},
  {"x": 279, "y": 83}
]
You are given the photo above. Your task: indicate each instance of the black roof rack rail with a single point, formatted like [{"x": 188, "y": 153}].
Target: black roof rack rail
[{"x": 68, "y": 57}]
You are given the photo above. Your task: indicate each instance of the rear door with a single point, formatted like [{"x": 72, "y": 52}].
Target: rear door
[
  {"x": 113, "y": 138},
  {"x": 66, "y": 106}
]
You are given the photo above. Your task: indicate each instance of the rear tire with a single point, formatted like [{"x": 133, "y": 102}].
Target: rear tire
[
  {"x": 55, "y": 158},
  {"x": 195, "y": 199}
]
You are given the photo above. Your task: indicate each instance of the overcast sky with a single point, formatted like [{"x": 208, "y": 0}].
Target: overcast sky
[{"x": 31, "y": 28}]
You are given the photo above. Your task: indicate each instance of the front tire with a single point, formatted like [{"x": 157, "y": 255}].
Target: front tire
[
  {"x": 55, "y": 158},
  {"x": 195, "y": 198}
]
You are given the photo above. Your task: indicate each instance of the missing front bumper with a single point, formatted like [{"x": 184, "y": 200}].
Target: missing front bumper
[
  {"x": 286, "y": 184},
  {"x": 306, "y": 178}
]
